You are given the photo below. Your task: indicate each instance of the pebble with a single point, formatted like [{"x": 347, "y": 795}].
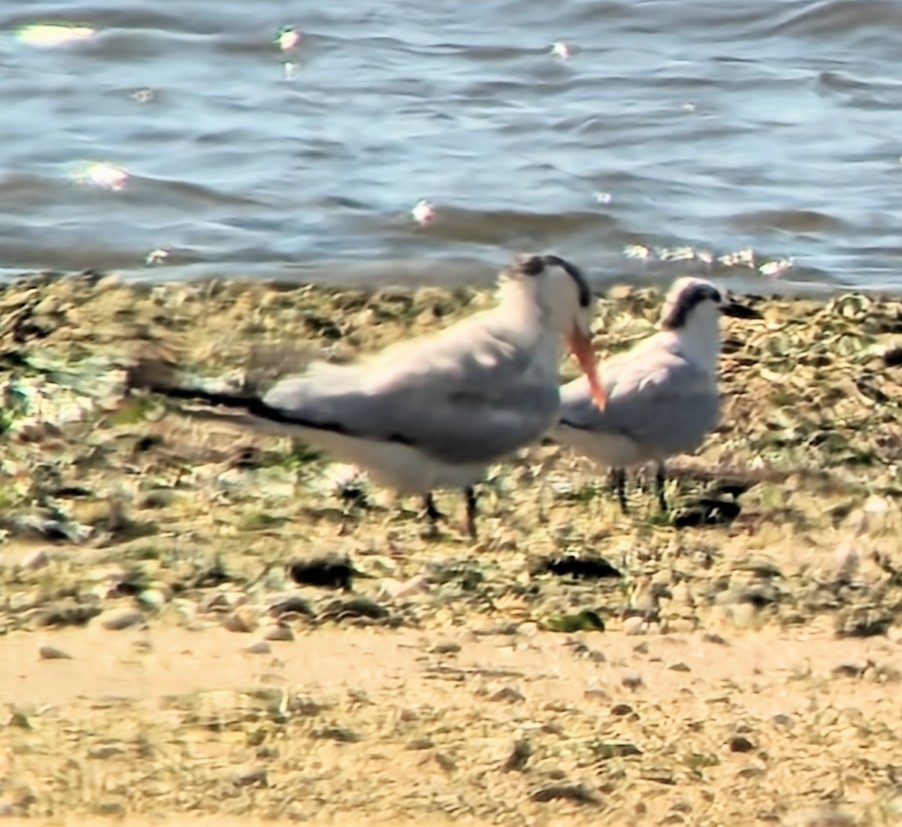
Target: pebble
[
  {"x": 252, "y": 776},
  {"x": 290, "y": 604},
  {"x": 739, "y": 743},
  {"x": 260, "y": 647},
  {"x": 154, "y": 599},
  {"x": 631, "y": 680},
  {"x": 241, "y": 620},
  {"x": 508, "y": 694},
  {"x": 393, "y": 589},
  {"x": 278, "y": 631},
  {"x": 223, "y": 600},
  {"x": 38, "y": 559},
  {"x": 529, "y": 629},
  {"x": 634, "y": 626},
  {"x": 519, "y": 755},
  {"x": 445, "y": 647},
  {"x": 119, "y": 619},
  {"x": 744, "y": 616},
  {"x": 52, "y": 653}
]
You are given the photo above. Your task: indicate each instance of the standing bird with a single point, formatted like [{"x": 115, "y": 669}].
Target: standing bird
[
  {"x": 662, "y": 396},
  {"x": 434, "y": 412}
]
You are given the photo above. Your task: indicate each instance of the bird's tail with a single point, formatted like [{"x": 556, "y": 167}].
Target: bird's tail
[
  {"x": 240, "y": 406},
  {"x": 163, "y": 377}
]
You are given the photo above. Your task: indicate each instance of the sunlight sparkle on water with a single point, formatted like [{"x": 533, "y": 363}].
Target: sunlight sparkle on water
[
  {"x": 288, "y": 38},
  {"x": 637, "y": 251},
  {"x": 423, "y": 212},
  {"x": 102, "y": 175},
  {"x": 157, "y": 256},
  {"x": 53, "y": 34},
  {"x": 775, "y": 269}
]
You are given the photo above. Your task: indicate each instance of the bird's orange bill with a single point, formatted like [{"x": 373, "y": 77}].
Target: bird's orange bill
[{"x": 582, "y": 350}]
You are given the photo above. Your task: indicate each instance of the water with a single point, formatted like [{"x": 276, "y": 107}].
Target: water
[{"x": 757, "y": 140}]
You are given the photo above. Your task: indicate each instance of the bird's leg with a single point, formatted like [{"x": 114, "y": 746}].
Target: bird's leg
[
  {"x": 472, "y": 511},
  {"x": 431, "y": 511},
  {"x": 618, "y": 483},
  {"x": 660, "y": 479}
]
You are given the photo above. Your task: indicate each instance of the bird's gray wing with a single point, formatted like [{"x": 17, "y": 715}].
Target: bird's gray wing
[
  {"x": 657, "y": 398},
  {"x": 473, "y": 395}
]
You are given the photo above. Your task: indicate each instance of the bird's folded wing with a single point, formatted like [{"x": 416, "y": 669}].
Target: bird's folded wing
[
  {"x": 660, "y": 396},
  {"x": 456, "y": 399}
]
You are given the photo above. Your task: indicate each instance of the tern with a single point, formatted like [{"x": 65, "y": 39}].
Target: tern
[
  {"x": 661, "y": 395},
  {"x": 434, "y": 412}
]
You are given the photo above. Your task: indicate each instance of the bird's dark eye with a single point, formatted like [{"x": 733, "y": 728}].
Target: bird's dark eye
[{"x": 531, "y": 265}]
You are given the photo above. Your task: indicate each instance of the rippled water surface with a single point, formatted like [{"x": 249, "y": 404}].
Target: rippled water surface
[{"x": 756, "y": 139}]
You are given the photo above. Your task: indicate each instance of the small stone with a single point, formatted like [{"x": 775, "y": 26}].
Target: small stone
[
  {"x": 242, "y": 620},
  {"x": 634, "y": 626},
  {"x": 446, "y": 647},
  {"x": 744, "y": 616},
  {"x": 119, "y": 619},
  {"x": 739, "y": 743},
  {"x": 529, "y": 628},
  {"x": 52, "y": 653},
  {"x": 827, "y": 816},
  {"x": 328, "y": 571},
  {"x": 565, "y": 792},
  {"x": 260, "y": 647},
  {"x": 219, "y": 601},
  {"x": 519, "y": 755},
  {"x": 154, "y": 599},
  {"x": 38, "y": 559},
  {"x": 851, "y": 670},
  {"x": 278, "y": 631},
  {"x": 631, "y": 680},
  {"x": 103, "y": 751},
  {"x": 250, "y": 777},
  {"x": 339, "y": 610},
  {"x": 679, "y": 667},
  {"x": 445, "y": 761},
  {"x": 392, "y": 589},
  {"x": 713, "y": 637},
  {"x": 508, "y": 694},
  {"x": 290, "y": 604},
  {"x": 621, "y": 709}
]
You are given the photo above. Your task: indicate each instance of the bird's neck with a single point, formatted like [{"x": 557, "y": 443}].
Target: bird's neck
[
  {"x": 530, "y": 323},
  {"x": 699, "y": 341},
  {"x": 527, "y": 306}
]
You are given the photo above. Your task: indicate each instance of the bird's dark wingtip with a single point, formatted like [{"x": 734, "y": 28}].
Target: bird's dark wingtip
[{"x": 152, "y": 373}]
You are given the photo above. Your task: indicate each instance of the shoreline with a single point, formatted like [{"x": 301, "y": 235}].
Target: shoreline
[{"x": 118, "y": 514}]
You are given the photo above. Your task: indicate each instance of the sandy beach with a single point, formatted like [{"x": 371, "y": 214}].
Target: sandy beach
[{"x": 160, "y": 667}]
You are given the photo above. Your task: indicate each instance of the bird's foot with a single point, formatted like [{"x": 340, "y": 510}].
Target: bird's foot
[{"x": 433, "y": 516}]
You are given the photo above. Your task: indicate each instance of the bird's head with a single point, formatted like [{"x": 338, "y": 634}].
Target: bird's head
[{"x": 564, "y": 303}]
